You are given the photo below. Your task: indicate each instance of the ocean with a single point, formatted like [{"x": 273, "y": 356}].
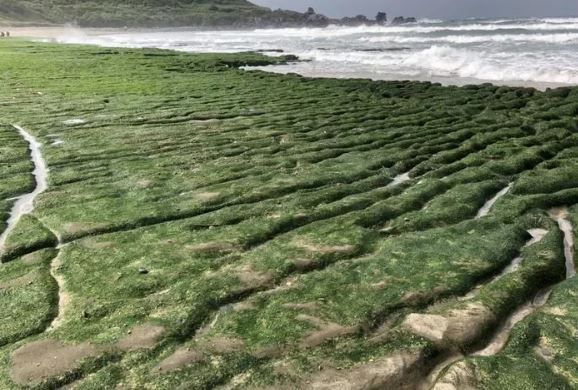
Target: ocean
[{"x": 541, "y": 52}]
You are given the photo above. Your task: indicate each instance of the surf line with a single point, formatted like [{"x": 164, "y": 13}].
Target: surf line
[{"x": 24, "y": 204}]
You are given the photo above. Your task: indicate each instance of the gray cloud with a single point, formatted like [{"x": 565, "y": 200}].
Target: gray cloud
[{"x": 446, "y": 9}]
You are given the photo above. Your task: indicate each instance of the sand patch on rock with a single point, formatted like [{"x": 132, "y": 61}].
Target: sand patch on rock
[
  {"x": 545, "y": 350},
  {"x": 223, "y": 345},
  {"x": 288, "y": 284},
  {"x": 244, "y": 306},
  {"x": 304, "y": 265},
  {"x": 457, "y": 328},
  {"x": 309, "y": 306},
  {"x": 269, "y": 351},
  {"x": 22, "y": 281},
  {"x": 429, "y": 326},
  {"x": 459, "y": 377},
  {"x": 93, "y": 243},
  {"x": 419, "y": 297},
  {"x": 82, "y": 227},
  {"x": 38, "y": 361},
  {"x": 537, "y": 236},
  {"x": 324, "y": 249},
  {"x": 32, "y": 258},
  {"x": 141, "y": 337},
  {"x": 387, "y": 373},
  {"x": 558, "y": 213},
  {"x": 254, "y": 279},
  {"x": 63, "y": 295},
  {"x": 207, "y": 196},
  {"x": 326, "y": 331},
  {"x": 180, "y": 359},
  {"x": 555, "y": 311},
  {"x": 212, "y": 247},
  {"x": 144, "y": 184}
]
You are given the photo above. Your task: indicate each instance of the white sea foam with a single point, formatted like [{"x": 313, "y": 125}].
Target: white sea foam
[
  {"x": 507, "y": 51},
  {"x": 466, "y": 39}
]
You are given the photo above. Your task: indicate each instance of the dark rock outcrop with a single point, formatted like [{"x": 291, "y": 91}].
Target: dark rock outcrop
[
  {"x": 401, "y": 20},
  {"x": 316, "y": 20},
  {"x": 355, "y": 21}
]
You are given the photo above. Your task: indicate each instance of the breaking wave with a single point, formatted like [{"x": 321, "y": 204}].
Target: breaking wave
[{"x": 505, "y": 51}]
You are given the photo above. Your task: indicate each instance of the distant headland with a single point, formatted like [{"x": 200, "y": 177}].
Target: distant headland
[{"x": 176, "y": 13}]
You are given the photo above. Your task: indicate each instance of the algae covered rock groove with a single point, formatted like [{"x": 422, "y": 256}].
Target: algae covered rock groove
[{"x": 279, "y": 253}]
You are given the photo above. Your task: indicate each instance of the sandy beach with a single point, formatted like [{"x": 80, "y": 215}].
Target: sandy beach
[{"x": 55, "y": 32}]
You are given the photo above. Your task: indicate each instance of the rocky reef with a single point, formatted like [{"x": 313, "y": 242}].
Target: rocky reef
[{"x": 402, "y": 20}]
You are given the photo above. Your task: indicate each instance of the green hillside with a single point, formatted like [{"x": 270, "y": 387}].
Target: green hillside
[{"x": 153, "y": 13}]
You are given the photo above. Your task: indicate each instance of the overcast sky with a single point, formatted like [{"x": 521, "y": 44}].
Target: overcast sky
[{"x": 446, "y": 9}]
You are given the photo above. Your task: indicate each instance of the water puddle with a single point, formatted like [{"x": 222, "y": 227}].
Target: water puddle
[
  {"x": 500, "y": 338},
  {"x": 537, "y": 236},
  {"x": 399, "y": 179},
  {"x": 25, "y": 203},
  {"x": 487, "y": 207},
  {"x": 74, "y": 122},
  {"x": 560, "y": 215}
]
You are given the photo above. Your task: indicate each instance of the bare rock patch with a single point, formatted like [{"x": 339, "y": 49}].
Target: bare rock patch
[
  {"x": 456, "y": 328},
  {"x": 223, "y": 345},
  {"x": 545, "y": 350},
  {"x": 460, "y": 376},
  {"x": 73, "y": 228},
  {"x": 325, "y": 249},
  {"x": 212, "y": 247},
  {"x": 326, "y": 331},
  {"x": 93, "y": 243},
  {"x": 180, "y": 359},
  {"x": 19, "y": 282},
  {"x": 254, "y": 279},
  {"x": 309, "y": 306},
  {"x": 393, "y": 372},
  {"x": 41, "y": 360},
  {"x": 207, "y": 196},
  {"x": 141, "y": 337},
  {"x": 429, "y": 326}
]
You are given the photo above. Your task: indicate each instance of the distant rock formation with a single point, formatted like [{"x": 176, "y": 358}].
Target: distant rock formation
[
  {"x": 355, "y": 21},
  {"x": 314, "y": 19},
  {"x": 310, "y": 18},
  {"x": 381, "y": 18},
  {"x": 402, "y": 20}
]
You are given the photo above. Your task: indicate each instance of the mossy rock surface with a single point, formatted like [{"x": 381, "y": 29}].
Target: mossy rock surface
[{"x": 209, "y": 226}]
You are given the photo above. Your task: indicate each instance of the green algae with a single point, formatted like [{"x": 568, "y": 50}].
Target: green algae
[{"x": 258, "y": 207}]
